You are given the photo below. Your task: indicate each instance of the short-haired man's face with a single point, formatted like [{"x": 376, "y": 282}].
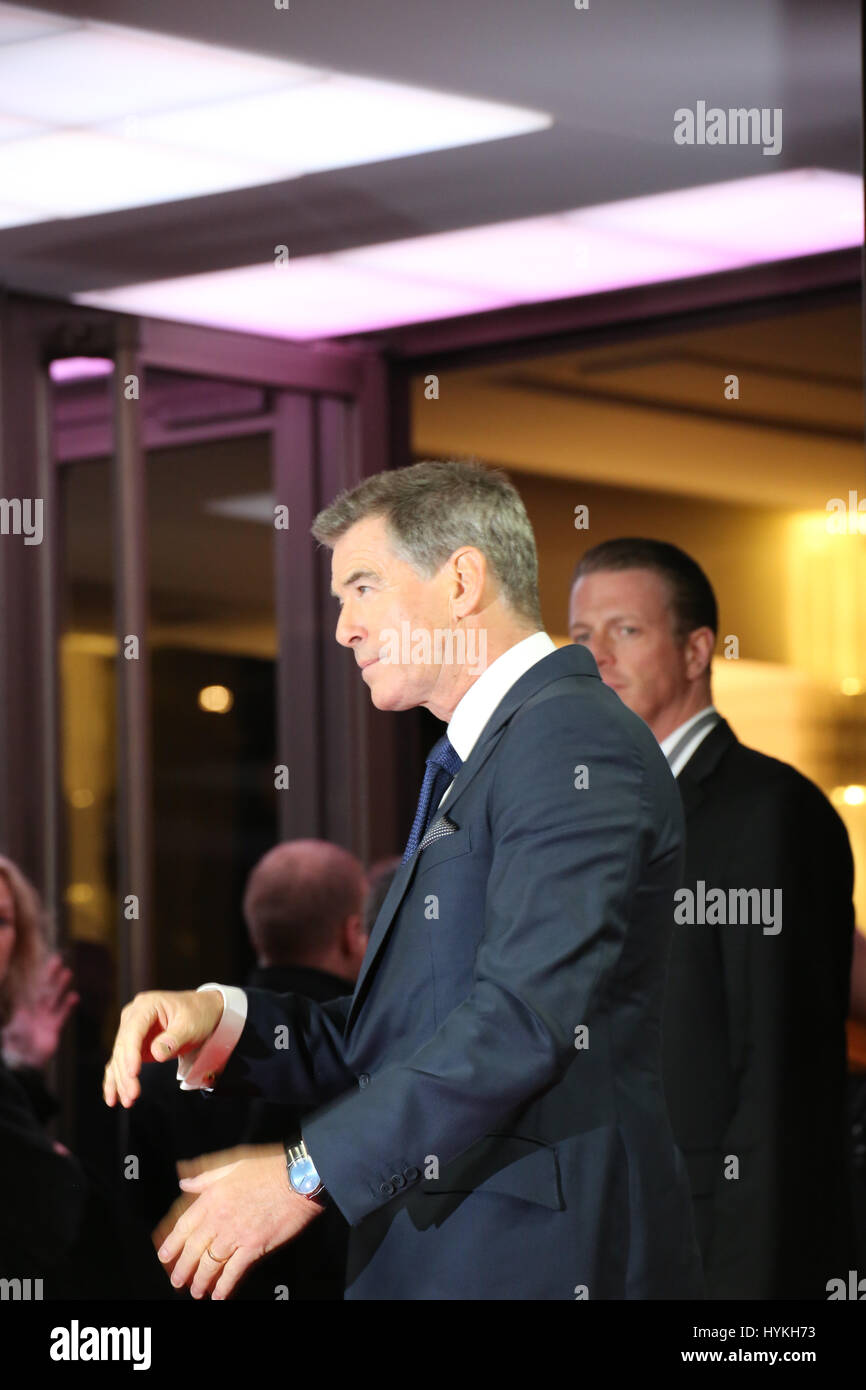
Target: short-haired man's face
[
  {"x": 379, "y": 593},
  {"x": 624, "y": 617}
]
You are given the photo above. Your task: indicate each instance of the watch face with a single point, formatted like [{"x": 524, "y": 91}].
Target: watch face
[{"x": 303, "y": 1176}]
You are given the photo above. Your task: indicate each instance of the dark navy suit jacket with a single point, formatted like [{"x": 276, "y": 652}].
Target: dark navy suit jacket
[{"x": 492, "y": 1121}]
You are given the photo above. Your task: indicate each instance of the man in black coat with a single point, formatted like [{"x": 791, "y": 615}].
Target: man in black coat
[{"x": 754, "y": 1023}]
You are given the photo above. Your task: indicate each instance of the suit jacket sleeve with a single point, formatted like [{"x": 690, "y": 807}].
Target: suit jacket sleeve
[
  {"x": 291, "y": 1050},
  {"x": 563, "y": 864},
  {"x": 787, "y": 1000}
]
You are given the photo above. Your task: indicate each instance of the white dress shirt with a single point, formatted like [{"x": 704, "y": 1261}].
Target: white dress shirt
[
  {"x": 668, "y": 744},
  {"x": 481, "y": 699},
  {"x": 197, "y": 1069}
]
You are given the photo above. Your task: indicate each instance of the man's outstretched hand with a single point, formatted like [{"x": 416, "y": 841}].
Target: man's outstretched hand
[
  {"x": 243, "y": 1209},
  {"x": 156, "y": 1026}
]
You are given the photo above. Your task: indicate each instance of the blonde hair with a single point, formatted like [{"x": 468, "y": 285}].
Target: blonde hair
[{"x": 31, "y": 940}]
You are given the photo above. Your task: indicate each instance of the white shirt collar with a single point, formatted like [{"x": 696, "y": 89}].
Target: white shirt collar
[
  {"x": 679, "y": 739},
  {"x": 481, "y": 699},
  {"x": 666, "y": 744}
]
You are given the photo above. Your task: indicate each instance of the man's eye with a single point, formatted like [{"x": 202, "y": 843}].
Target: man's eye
[{"x": 628, "y": 630}]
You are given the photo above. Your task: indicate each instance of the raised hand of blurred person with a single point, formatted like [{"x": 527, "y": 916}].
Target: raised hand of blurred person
[{"x": 31, "y": 1036}]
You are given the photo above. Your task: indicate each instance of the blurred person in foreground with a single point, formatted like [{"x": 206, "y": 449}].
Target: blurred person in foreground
[
  {"x": 754, "y": 1022},
  {"x": 304, "y": 907},
  {"x": 57, "y": 1224},
  {"x": 490, "y": 1114}
]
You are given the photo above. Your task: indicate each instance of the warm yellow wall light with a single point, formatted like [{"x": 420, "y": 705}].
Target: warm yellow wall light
[
  {"x": 215, "y": 699},
  {"x": 826, "y": 617}
]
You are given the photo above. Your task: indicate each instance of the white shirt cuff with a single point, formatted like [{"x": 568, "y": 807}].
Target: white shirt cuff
[{"x": 196, "y": 1071}]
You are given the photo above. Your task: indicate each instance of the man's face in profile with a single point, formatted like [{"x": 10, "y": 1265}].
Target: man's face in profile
[
  {"x": 379, "y": 593},
  {"x": 624, "y": 617}
]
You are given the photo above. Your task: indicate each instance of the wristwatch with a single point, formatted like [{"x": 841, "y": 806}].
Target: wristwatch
[{"x": 302, "y": 1171}]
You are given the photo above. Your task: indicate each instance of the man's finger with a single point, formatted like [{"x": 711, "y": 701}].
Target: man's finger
[
  {"x": 232, "y": 1273},
  {"x": 220, "y": 1158},
  {"x": 114, "y": 1088},
  {"x": 174, "y": 1240},
  {"x": 168, "y": 1222},
  {"x": 210, "y": 1269},
  {"x": 136, "y": 1020},
  {"x": 206, "y": 1179},
  {"x": 190, "y": 1256},
  {"x": 125, "y": 1082}
]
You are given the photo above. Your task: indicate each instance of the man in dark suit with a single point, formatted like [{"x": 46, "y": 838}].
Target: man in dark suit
[
  {"x": 754, "y": 1022},
  {"x": 491, "y": 1119},
  {"x": 304, "y": 906}
]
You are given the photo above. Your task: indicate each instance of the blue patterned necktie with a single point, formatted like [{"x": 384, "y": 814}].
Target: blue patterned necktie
[{"x": 443, "y": 765}]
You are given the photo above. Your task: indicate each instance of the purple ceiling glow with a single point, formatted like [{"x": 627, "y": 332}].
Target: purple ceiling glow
[
  {"x": 79, "y": 368},
  {"x": 668, "y": 236}
]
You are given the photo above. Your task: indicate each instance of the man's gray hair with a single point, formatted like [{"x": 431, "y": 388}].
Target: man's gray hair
[{"x": 432, "y": 509}]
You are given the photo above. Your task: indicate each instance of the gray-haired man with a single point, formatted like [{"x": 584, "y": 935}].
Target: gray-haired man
[{"x": 491, "y": 1119}]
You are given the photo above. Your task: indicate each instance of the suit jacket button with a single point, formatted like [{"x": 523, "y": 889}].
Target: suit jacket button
[
  {"x": 398, "y": 1180},
  {"x": 386, "y": 1189},
  {"x": 411, "y": 1173},
  {"x": 364, "y": 1079}
]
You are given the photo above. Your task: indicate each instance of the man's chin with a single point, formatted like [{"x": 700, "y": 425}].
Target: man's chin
[
  {"x": 627, "y": 696},
  {"x": 385, "y": 701},
  {"x": 386, "y": 698}
]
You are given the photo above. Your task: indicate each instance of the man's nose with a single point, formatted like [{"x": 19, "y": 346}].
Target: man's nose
[
  {"x": 601, "y": 651},
  {"x": 347, "y": 628}
]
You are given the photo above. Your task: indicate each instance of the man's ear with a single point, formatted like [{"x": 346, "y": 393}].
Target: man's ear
[
  {"x": 699, "y": 652},
  {"x": 354, "y": 937},
  {"x": 469, "y": 569}
]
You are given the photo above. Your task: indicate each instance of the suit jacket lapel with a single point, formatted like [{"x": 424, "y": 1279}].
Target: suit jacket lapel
[
  {"x": 703, "y": 763},
  {"x": 572, "y": 660}
]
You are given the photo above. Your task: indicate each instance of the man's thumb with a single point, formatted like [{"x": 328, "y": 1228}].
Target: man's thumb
[{"x": 164, "y": 1046}]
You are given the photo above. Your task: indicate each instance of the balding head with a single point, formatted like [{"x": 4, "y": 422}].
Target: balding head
[{"x": 303, "y": 905}]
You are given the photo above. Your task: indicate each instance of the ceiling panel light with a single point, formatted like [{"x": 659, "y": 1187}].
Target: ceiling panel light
[
  {"x": 769, "y": 217},
  {"x": 311, "y": 298},
  {"x": 18, "y": 25},
  {"x": 332, "y": 123},
  {"x": 220, "y": 119},
  {"x": 535, "y": 259},
  {"x": 99, "y": 72},
  {"x": 76, "y": 173},
  {"x": 14, "y": 128},
  {"x": 13, "y": 215}
]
